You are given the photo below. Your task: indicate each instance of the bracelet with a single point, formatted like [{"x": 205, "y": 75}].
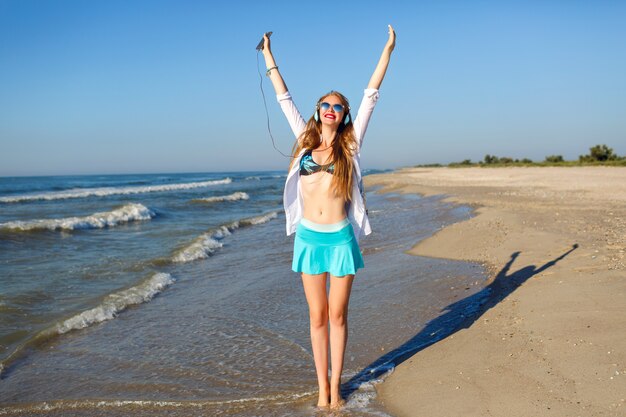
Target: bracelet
[{"x": 269, "y": 70}]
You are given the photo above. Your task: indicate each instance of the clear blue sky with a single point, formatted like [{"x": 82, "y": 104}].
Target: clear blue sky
[{"x": 106, "y": 86}]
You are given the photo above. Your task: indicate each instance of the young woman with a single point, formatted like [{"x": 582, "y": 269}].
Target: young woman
[{"x": 324, "y": 206}]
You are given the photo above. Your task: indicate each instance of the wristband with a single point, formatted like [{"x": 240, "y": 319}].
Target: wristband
[{"x": 269, "y": 70}]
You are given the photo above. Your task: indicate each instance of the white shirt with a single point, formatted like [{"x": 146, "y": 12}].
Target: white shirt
[{"x": 292, "y": 195}]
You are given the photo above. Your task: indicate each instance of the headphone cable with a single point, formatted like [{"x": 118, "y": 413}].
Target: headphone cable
[
  {"x": 267, "y": 114},
  {"x": 269, "y": 129}
]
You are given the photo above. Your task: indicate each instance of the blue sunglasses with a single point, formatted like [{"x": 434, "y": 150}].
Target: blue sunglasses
[{"x": 324, "y": 106}]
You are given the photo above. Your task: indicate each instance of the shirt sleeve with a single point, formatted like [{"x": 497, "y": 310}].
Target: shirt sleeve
[
  {"x": 295, "y": 119},
  {"x": 370, "y": 97}
]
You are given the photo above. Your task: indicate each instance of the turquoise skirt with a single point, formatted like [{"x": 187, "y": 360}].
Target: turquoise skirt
[{"x": 316, "y": 252}]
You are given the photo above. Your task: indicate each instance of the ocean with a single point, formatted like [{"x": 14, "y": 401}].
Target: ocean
[{"x": 172, "y": 294}]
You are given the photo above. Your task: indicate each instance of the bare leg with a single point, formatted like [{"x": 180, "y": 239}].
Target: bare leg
[
  {"x": 338, "y": 299},
  {"x": 315, "y": 292}
]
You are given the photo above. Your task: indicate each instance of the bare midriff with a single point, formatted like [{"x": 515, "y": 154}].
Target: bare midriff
[{"x": 321, "y": 205}]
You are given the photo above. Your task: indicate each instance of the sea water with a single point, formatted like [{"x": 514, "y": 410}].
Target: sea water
[{"x": 172, "y": 294}]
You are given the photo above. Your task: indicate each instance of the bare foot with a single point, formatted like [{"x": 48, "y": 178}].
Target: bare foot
[
  {"x": 324, "y": 398},
  {"x": 337, "y": 405},
  {"x": 336, "y": 401}
]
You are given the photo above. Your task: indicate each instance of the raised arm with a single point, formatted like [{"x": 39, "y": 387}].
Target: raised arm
[
  {"x": 383, "y": 62},
  {"x": 270, "y": 64},
  {"x": 296, "y": 122},
  {"x": 370, "y": 96}
]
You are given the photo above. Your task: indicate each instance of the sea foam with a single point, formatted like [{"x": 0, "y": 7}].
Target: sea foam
[
  {"x": 219, "y": 198},
  {"x": 116, "y": 302},
  {"x": 134, "y": 405},
  {"x": 125, "y": 214},
  {"x": 105, "y": 191},
  {"x": 207, "y": 243}
]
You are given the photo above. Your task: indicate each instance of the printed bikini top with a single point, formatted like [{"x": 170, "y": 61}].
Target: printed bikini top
[{"x": 308, "y": 166}]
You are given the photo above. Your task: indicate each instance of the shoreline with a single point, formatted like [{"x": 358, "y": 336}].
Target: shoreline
[{"x": 550, "y": 339}]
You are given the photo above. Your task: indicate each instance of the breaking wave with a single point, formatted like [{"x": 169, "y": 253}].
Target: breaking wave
[
  {"x": 231, "y": 197},
  {"x": 108, "y": 309},
  {"x": 117, "y": 302},
  {"x": 105, "y": 191},
  {"x": 125, "y": 214},
  {"x": 207, "y": 243}
]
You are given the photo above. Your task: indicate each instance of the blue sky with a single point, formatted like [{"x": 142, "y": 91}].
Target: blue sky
[{"x": 172, "y": 86}]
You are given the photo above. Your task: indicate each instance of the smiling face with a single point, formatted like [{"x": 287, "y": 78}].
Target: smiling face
[{"x": 330, "y": 116}]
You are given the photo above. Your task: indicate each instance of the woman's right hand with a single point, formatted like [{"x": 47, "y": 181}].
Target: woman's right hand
[
  {"x": 266, "y": 44},
  {"x": 270, "y": 63}
]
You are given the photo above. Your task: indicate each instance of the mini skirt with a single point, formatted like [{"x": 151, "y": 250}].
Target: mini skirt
[{"x": 316, "y": 252}]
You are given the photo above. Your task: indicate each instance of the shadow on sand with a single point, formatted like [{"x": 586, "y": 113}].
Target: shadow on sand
[{"x": 456, "y": 316}]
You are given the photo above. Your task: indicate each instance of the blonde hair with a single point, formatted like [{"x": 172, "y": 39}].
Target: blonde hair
[{"x": 343, "y": 147}]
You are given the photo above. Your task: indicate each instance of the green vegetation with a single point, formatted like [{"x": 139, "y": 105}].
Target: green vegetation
[
  {"x": 555, "y": 159},
  {"x": 598, "y": 155},
  {"x": 431, "y": 165}
]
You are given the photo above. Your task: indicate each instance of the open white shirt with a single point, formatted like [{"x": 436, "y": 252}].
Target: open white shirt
[{"x": 292, "y": 195}]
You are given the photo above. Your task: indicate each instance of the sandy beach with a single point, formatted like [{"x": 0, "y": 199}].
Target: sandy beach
[{"x": 551, "y": 340}]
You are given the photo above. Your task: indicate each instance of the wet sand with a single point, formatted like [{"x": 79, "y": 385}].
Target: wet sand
[{"x": 551, "y": 341}]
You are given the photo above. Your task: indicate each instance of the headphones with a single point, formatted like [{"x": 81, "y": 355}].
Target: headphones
[{"x": 316, "y": 115}]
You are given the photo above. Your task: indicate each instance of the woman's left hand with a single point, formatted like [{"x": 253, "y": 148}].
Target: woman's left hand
[{"x": 391, "y": 42}]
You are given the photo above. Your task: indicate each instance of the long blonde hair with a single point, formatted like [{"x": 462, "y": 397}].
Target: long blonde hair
[{"x": 343, "y": 146}]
